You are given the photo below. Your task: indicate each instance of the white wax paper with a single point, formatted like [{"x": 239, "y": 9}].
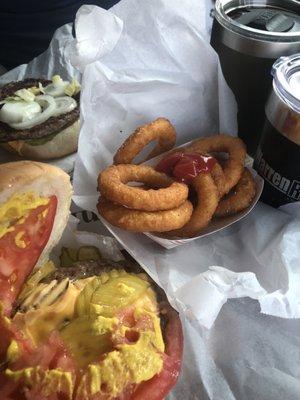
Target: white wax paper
[
  {"x": 53, "y": 61},
  {"x": 125, "y": 84},
  {"x": 245, "y": 355},
  {"x": 162, "y": 65},
  {"x": 74, "y": 238}
]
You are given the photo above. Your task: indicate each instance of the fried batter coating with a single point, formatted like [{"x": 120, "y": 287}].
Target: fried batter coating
[
  {"x": 144, "y": 221},
  {"x": 236, "y": 149},
  {"x": 207, "y": 202},
  {"x": 239, "y": 198},
  {"x": 160, "y": 204},
  {"x": 112, "y": 184},
  {"x": 218, "y": 176},
  {"x": 161, "y": 130}
]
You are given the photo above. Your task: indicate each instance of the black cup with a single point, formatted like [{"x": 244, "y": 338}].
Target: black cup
[
  {"x": 277, "y": 158},
  {"x": 248, "y": 37}
]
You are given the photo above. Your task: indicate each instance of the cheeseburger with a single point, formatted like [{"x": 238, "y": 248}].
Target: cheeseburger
[
  {"x": 85, "y": 328},
  {"x": 39, "y": 119}
]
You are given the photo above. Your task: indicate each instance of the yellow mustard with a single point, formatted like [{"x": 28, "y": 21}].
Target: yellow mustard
[
  {"x": 12, "y": 351},
  {"x": 20, "y": 242},
  {"x": 17, "y": 208},
  {"x": 51, "y": 381},
  {"x": 97, "y": 309},
  {"x": 88, "y": 317}
]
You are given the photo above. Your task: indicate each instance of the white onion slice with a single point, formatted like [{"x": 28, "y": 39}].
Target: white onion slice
[
  {"x": 40, "y": 118},
  {"x": 56, "y": 90},
  {"x": 64, "y": 105},
  {"x": 19, "y": 111}
]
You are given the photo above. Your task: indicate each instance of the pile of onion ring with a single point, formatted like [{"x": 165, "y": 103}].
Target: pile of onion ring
[{"x": 187, "y": 188}]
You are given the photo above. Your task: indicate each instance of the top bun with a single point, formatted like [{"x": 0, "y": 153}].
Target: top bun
[{"x": 44, "y": 180}]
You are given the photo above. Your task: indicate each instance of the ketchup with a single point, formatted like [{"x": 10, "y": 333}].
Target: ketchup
[{"x": 184, "y": 167}]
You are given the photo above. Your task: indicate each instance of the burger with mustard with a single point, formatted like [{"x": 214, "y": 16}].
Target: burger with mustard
[{"x": 83, "y": 328}]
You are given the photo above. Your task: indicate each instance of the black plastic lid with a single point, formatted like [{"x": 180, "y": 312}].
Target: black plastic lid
[
  {"x": 259, "y": 28},
  {"x": 269, "y": 19}
]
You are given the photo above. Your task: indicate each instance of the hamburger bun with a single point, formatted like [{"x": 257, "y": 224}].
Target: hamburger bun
[
  {"x": 44, "y": 180},
  {"x": 64, "y": 143}
]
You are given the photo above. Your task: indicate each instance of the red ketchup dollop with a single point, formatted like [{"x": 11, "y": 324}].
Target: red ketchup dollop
[{"x": 184, "y": 167}]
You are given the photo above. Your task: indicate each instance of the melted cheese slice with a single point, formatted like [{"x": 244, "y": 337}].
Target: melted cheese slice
[{"x": 38, "y": 324}]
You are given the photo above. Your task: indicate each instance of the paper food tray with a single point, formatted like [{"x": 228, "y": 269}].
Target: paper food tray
[{"x": 216, "y": 224}]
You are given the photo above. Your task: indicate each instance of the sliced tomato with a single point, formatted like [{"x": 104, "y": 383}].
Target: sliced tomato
[
  {"x": 50, "y": 355},
  {"x": 17, "y": 262},
  {"x": 9, "y": 331},
  {"x": 160, "y": 385},
  {"x": 53, "y": 355}
]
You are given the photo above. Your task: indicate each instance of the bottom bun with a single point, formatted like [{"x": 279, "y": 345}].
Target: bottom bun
[{"x": 64, "y": 143}]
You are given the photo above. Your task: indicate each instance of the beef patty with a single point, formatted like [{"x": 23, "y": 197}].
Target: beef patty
[{"x": 52, "y": 126}]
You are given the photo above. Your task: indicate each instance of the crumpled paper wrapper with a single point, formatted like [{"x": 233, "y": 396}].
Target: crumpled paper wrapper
[
  {"x": 148, "y": 73},
  {"x": 53, "y": 61},
  {"x": 157, "y": 62},
  {"x": 233, "y": 351},
  {"x": 136, "y": 73}
]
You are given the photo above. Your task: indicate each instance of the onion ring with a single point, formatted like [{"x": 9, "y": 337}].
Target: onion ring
[
  {"x": 112, "y": 185},
  {"x": 235, "y": 147},
  {"x": 145, "y": 221},
  {"x": 218, "y": 176},
  {"x": 161, "y": 130},
  {"x": 240, "y": 198},
  {"x": 207, "y": 202}
]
